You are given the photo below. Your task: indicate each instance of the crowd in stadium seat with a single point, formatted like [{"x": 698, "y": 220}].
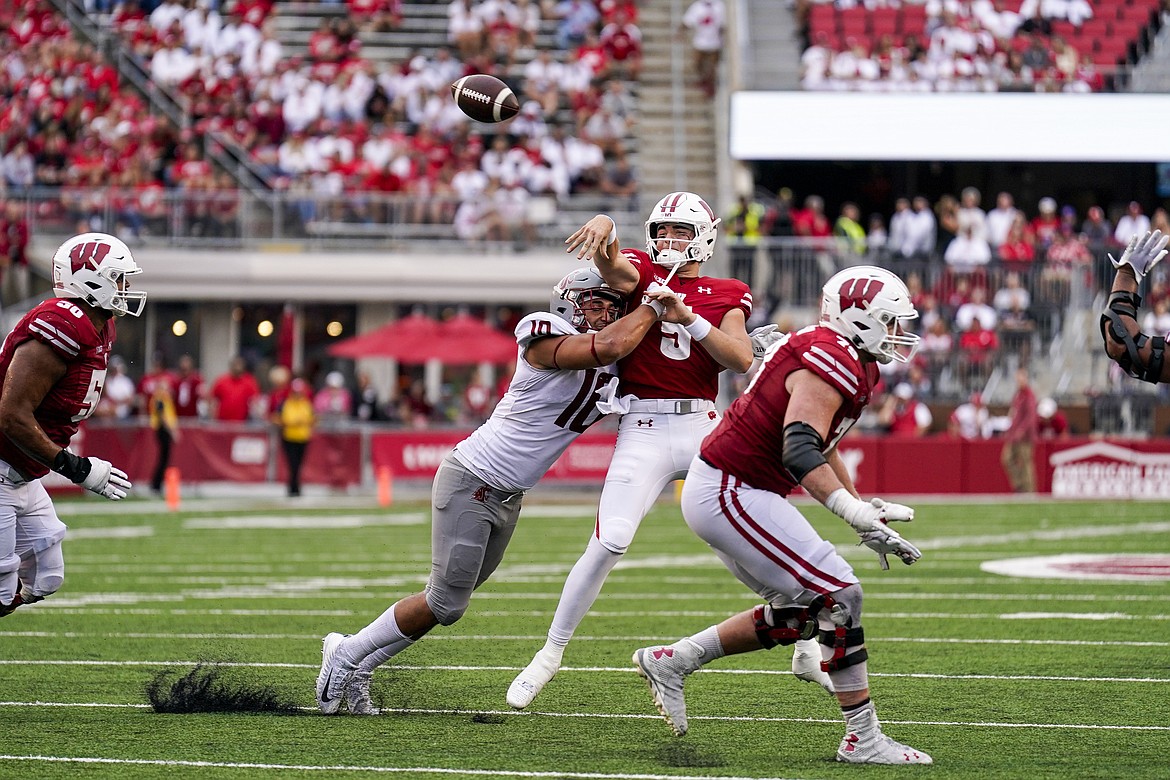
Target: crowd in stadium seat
[
  {"x": 335, "y": 122},
  {"x": 969, "y": 45}
]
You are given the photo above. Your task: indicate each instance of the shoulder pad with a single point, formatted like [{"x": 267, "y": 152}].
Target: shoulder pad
[
  {"x": 539, "y": 325},
  {"x": 831, "y": 357},
  {"x": 62, "y": 325}
]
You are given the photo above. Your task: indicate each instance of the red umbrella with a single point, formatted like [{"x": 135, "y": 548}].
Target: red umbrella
[
  {"x": 464, "y": 339},
  {"x": 408, "y": 340}
]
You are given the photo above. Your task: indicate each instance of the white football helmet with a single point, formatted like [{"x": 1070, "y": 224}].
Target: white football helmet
[
  {"x": 95, "y": 268},
  {"x": 577, "y": 289},
  {"x": 683, "y": 208},
  {"x": 867, "y": 305}
]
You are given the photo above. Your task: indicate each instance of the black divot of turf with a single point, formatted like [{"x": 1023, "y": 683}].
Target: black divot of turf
[{"x": 212, "y": 688}]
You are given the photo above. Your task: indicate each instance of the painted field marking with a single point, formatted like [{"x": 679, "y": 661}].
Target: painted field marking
[
  {"x": 589, "y": 669},
  {"x": 381, "y": 769},
  {"x": 1112, "y": 567},
  {"x": 710, "y": 718}
]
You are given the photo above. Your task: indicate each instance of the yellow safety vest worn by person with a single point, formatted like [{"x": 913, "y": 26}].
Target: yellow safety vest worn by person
[
  {"x": 753, "y": 218},
  {"x": 162, "y": 411},
  {"x": 296, "y": 418},
  {"x": 852, "y": 233}
]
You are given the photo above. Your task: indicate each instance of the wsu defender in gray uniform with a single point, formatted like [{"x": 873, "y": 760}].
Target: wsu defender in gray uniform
[{"x": 564, "y": 365}]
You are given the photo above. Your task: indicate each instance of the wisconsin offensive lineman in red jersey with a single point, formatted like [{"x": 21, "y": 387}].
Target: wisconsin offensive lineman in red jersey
[
  {"x": 53, "y": 366},
  {"x": 783, "y": 432},
  {"x": 666, "y": 396}
]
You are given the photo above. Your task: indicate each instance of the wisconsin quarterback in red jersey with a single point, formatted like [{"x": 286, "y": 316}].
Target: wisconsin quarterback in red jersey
[
  {"x": 666, "y": 394},
  {"x": 783, "y": 432},
  {"x": 52, "y": 368}
]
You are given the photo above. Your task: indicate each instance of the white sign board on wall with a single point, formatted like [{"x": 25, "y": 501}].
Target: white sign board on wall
[{"x": 950, "y": 127}]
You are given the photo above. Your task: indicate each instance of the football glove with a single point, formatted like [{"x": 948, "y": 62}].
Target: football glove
[
  {"x": 1142, "y": 253},
  {"x": 106, "y": 480},
  {"x": 889, "y": 542},
  {"x": 762, "y": 338},
  {"x": 866, "y": 516}
]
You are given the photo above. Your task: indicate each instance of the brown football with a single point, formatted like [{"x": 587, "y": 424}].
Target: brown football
[{"x": 485, "y": 98}]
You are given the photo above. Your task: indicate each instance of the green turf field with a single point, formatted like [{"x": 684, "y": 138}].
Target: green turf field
[{"x": 995, "y": 676}]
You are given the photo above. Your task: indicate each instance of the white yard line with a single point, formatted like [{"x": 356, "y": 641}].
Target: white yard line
[
  {"x": 381, "y": 769},
  {"x": 711, "y": 718},
  {"x": 589, "y": 669}
]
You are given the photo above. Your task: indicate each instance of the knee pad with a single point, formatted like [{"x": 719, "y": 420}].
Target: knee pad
[
  {"x": 616, "y": 534},
  {"x": 447, "y": 606},
  {"x": 843, "y": 639},
  {"x": 784, "y": 625},
  {"x": 43, "y": 572},
  {"x": 9, "y": 565}
]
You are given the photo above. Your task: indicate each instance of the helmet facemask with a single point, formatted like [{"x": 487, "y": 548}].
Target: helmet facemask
[
  {"x": 691, "y": 211},
  {"x": 868, "y": 306},
  {"x": 583, "y": 292}
]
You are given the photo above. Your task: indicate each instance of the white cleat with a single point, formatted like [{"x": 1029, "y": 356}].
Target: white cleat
[
  {"x": 357, "y": 694},
  {"x": 532, "y": 680},
  {"x": 665, "y": 669},
  {"x": 332, "y": 679},
  {"x": 806, "y": 664},
  {"x": 864, "y": 743}
]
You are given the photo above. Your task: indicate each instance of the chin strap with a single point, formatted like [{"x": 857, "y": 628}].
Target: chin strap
[{"x": 1113, "y": 329}]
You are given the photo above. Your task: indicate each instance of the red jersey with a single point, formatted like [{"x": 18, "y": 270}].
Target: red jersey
[
  {"x": 63, "y": 326},
  {"x": 187, "y": 391},
  {"x": 668, "y": 363},
  {"x": 748, "y": 443}
]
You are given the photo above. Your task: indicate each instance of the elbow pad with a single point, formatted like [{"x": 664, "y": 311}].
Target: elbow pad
[
  {"x": 1125, "y": 304},
  {"x": 803, "y": 450}
]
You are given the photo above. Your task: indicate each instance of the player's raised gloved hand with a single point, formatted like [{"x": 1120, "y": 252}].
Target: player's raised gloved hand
[
  {"x": 655, "y": 302},
  {"x": 762, "y": 338},
  {"x": 866, "y": 516},
  {"x": 1142, "y": 253},
  {"x": 887, "y": 541}
]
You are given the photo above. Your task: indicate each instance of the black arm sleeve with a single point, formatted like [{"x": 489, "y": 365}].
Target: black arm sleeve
[{"x": 803, "y": 449}]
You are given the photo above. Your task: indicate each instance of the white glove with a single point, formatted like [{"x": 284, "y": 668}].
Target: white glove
[
  {"x": 889, "y": 542},
  {"x": 762, "y": 338},
  {"x": 866, "y": 516},
  {"x": 1142, "y": 253},
  {"x": 106, "y": 480}
]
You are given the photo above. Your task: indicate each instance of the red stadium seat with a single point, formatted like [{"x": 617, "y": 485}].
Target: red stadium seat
[
  {"x": 883, "y": 21},
  {"x": 822, "y": 18},
  {"x": 854, "y": 22},
  {"x": 912, "y": 19}
]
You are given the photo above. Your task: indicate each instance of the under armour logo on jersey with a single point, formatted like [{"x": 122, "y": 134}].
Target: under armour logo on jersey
[
  {"x": 662, "y": 651},
  {"x": 702, "y": 289},
  {"x": 648, "y": 423},
  {"x": 480, "y": 494},
  {"x": 711, "y": 415}
]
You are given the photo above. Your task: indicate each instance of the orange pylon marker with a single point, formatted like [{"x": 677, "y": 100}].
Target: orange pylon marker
[
  {"x": 171, "y": 488},
  {"x": 385, "y": 486}
]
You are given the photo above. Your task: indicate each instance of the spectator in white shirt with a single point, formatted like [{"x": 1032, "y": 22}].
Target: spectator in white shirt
[
  {"x": 1132, "y": 221},
  {"x": 921, "y": 230},
  {"x": 966, "y": 252},
  {"x": 171, "y": 64},
  {"x": 1000, "y": 218},
  {"x": 976, "y": 308}
]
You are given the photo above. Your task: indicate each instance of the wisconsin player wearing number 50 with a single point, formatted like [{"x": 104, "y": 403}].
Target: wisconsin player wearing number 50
[
  {"x": 667, "y": 389},
  {"x": 564, "y": 365},
  {"x": 52, "y": 368}
]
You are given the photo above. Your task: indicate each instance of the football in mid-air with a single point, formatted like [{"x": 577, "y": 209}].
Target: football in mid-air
[{"x": 485, "y": 98}]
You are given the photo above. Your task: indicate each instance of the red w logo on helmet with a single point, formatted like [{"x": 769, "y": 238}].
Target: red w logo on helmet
[
  {"x": 856, "y": 292},
  {"x": 89, "y": 254}
]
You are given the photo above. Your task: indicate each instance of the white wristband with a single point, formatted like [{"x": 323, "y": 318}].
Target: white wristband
[
  {"x": 699, "y": 328},
  {"x": 658, "y": 306},
  {"x": 612, "y": 230}
]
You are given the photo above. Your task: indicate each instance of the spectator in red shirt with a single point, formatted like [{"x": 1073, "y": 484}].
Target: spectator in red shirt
[
  {"x": 1051, "y": 423},
  {"x": 622, "y": 43},
  {"x": 903, "y": 415},
  {"x": 1020, "y": 437},
  {"x": 811, "y": 221},
  {"x": 233, "y": 393},
  {"x": 14, "y": 252},
  {"x": 150, "y": 381},
  {"x": 188, "y": 388}
]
